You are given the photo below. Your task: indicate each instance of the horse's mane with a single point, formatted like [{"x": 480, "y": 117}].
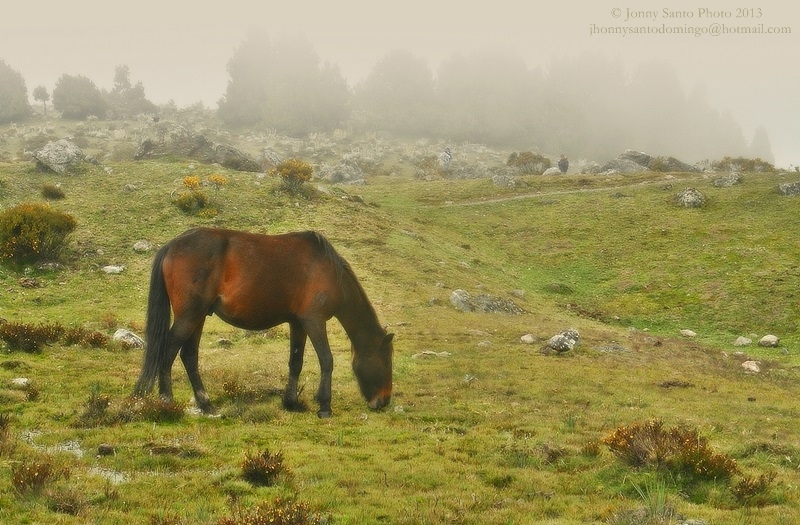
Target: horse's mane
[{"x": 342, "y": 268}]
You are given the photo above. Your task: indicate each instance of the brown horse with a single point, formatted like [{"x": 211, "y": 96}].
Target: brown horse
[{"x": 254, "y": 282}]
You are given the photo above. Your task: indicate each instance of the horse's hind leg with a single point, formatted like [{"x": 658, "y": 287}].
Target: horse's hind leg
[
  {"x": 189, "y": 357},
  {"x": 180, "y": 334},
  {"x": 297, "y": 347}
]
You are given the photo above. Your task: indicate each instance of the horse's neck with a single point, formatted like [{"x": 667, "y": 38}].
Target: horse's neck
[{"x": 358, "y": 318}]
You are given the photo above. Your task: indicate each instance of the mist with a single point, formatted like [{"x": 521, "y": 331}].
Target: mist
[{"x": 536, "y": 76}]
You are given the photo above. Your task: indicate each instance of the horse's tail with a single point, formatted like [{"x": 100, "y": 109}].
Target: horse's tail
[{"x": 159, "y": 317}]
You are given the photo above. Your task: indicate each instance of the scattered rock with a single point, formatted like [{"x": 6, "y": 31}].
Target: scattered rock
[
  {"x": 113, "y": 269},
  {"x": 742, "y": 341},
  {"x": 727, "y": 180},
  {"x": 789, "y": 189},
  {"x": 769, "y": 341},
  {"x": 425, "y": 354},
  {"x": 142, "y": 246},
  {"x": 104, "y": 449},
  {"x": 552, "y": 171},
  {"x": 20, "y": 382},
  {"x": 128, "y": 338},
  {"x": 691, "y": 198},
  {"x": 527, "y": 339},
  {"x": 58, "y": 156},
  {"x": 751, "y": 367},
  {"x": 462, "y": 300},
  {"x": 562, "y": 342},
  {"x": 688, "y": 333}
]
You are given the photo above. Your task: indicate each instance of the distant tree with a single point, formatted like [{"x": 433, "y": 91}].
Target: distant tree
[
  {"x": 41, "y": 94},
  {"x": 761, "y": 147},
  {"x": 126, "y": 99},
  {"x": 282, "y": 84},
  {"x": 485, "y": 97},
  {"x": 13, "y": 95},
  {"x": 76, "y": 97},
  {"x": 398, "y": 95}
]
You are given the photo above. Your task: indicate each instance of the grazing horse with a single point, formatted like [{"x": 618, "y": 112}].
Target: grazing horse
[{"x": 254, "y": 282}]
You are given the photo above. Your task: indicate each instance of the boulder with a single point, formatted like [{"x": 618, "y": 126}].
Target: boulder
[
  {"x": 789, "y": 189},
  {"x": 552, "y": 171},
  {"x": 58, "y": 156},
  {"x": 128, "y": 338},
  {"x": 170, "y": 139},
  {"x": 563, "y": 341},
  {"x": 691, "y": 198}
]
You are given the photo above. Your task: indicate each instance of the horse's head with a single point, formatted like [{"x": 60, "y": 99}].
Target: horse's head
[{"x": 373, "y": 370}]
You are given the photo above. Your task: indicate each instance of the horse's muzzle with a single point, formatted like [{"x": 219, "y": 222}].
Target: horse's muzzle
[{"x": 380, "y": 401}]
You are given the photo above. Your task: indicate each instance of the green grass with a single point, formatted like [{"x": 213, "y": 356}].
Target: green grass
[{"x": 494, "y": 433}]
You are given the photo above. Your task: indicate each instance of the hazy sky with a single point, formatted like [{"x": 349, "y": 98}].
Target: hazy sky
[{"x": 179, "y": 49}]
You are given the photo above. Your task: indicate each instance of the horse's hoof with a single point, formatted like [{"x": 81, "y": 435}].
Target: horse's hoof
[{"x": 324, "y": 414}]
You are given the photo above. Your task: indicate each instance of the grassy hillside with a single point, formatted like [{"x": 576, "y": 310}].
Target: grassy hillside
[{"x": 482, "y": 428}]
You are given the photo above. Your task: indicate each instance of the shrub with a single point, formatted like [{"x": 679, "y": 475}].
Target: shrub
[
  {"x": 31, "y": 475},
  {"x": 52, "y": 192},
  {"x": 751, "y": 491},
  {"x": 294, "y": 173},
  {"x": 32, "y": 232},
  {"x": 29, "y": 338},
  {"x": 742, "y": 164},
  {"x": 279, "y": 512},
  {"x": 191, "y": 202},
  {"x": 677, "y": 450},
  {"x": 528, "y": 162},
  {"x": 263, "y": 469}
]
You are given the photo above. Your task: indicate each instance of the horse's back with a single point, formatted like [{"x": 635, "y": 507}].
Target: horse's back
[{"x": 252, "y": 279}]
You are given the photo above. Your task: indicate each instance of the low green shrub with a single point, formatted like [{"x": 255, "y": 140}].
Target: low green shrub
[
  {"x": 33, "y": 232},
  {"x": 528, "y": 162},
  {"x": 52, "y": 192},
  {"x": 279, "y": 512},
  {"x": 677, "y": 450},
  {"x": 263, "y": 469}
]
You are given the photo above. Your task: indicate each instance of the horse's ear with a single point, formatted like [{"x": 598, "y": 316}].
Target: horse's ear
[{"x": 388, "y": 338}]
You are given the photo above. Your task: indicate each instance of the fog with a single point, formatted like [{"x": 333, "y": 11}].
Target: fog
[{"x": 179, "y": 50}]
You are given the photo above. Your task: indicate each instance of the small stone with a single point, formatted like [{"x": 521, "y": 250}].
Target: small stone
[
  {"x": 104, "y": 449},
  {"x": 751, "y": 367},
  {"x": 769, "y": 341},
  {"x": 527, "y": 339},
  {"x": 742, "y": 341}
]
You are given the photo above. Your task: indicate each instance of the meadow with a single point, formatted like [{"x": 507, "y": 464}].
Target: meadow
[{"x": 482, "y": 427}]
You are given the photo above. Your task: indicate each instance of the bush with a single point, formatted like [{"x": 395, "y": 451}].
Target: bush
[
  {"x": 31, "y": 475},
  {"x": 742, "y": 164},
  {"x": 528, "y": 162},
  {"x": 263, "y": 469},
  {"x": 677, "y": 450},
  {"x": 52, "y": 192},
  {"x": 280, "y": 512},
  {"x": 33, "y": 232},
  {"x": 29, "y": 338},
  {"x": 294, "y": 173}
]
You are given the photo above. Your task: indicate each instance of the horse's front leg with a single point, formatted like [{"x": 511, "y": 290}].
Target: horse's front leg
[
  {"x": 297, "y": 347},
  {"x": 319, "y": 338}
]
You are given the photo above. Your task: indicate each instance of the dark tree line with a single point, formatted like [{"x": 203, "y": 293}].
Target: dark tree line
[{"x": 586, "y": 106}]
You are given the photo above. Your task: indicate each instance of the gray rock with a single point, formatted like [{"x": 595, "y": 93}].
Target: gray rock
[
  {"x": 789, "y": 189},
  {"x": 128, "y": 338},
  {"x": 769, "y": 341},
  {"x": 58, "y": 156},
  {"x": 742, "y": 341},
  {"x": 552, "y": 171},
  {"x": 562, "y": 342},
  {"x": 727, "y": 180},
  {"x": 691, "y": 198}
]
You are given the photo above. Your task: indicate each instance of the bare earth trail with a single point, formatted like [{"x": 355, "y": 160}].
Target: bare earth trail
[{"x": 497, "y": 200}]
